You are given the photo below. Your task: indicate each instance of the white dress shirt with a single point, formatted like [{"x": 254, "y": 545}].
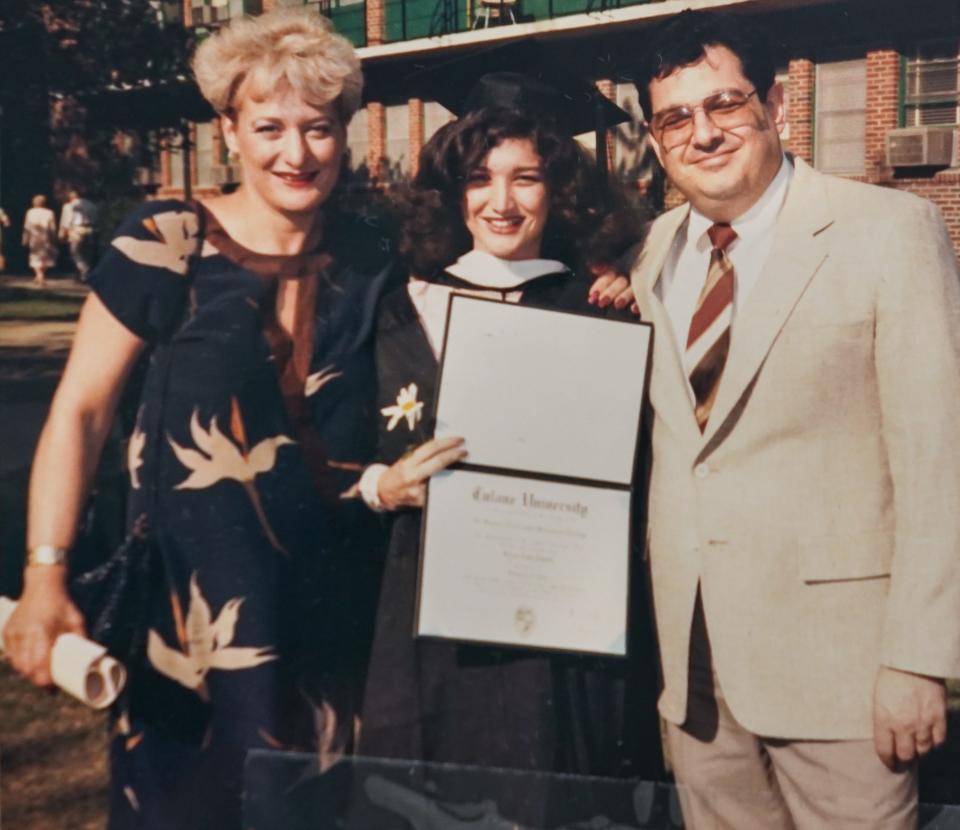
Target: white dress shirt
[
  {"x": 685, "y": 271},
  {"x": 78, "y": 213}
]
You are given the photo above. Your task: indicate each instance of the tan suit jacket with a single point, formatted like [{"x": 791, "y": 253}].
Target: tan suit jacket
[{"x": 819, "y": 513}]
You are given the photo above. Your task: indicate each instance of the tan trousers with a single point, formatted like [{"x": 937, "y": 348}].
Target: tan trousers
[{"x": 730, "y": 778}]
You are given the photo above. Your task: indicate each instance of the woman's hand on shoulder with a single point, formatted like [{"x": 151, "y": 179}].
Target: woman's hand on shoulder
[
  {"x": 404, "y": 483},
  {"x": 611, "y": 288},
  {"x": 44, "y": 612}
]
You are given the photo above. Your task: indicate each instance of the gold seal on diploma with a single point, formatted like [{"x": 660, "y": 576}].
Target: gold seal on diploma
[{"x": 524, "y": 620}]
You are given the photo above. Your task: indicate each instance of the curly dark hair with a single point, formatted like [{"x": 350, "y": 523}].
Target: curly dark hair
[{"x": 588, "y": 224}]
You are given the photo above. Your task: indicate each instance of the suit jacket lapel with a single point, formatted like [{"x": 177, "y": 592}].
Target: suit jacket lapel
[
  {"x": 668, "y": 384},
  {"x": 798, "y": 252}
]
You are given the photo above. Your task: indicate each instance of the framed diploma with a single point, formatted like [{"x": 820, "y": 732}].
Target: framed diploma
[{"x": 528, "y": 542}]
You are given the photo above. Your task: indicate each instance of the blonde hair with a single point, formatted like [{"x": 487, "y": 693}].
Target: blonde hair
[{"x": 292, "y": 45}]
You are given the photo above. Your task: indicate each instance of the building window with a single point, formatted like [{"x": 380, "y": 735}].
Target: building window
[
  {"x": 841, "y": 97},
  {"x": 174, "y": 154},
  {"x": 358, "y": 139},
  {"x": 167, "y": 11},
  {"x": 435, "y": 115},
  {"x": 629, "y": 141},
  {"x": 211, "y": 12},
  {"x": 206, "y": 150},
  {"x": 931, "y": 93},
  {"x": 783, "y": 78},
  {"x": 397, "y": 148}
]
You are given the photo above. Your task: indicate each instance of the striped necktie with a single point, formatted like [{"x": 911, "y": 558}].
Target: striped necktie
[{"x": 709, "y": 339}]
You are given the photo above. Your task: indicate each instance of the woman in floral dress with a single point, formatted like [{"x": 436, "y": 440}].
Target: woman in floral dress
[
  {"x": 255, "y": 309},
  {"x": 503, "y": 205},
  {"x": 40, "y": 238}
]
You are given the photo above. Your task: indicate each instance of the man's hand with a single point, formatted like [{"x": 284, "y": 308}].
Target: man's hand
[
  {"x": 909, "y": 715},
  {"x": 611, "y": 287}
]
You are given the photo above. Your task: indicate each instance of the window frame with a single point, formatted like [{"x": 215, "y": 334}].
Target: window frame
[
  {"x": 819, "y": 118},
  {"x": 906, "y": 107}
]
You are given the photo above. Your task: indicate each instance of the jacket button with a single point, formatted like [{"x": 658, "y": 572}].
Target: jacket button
[{"x": 701, "y": 470}]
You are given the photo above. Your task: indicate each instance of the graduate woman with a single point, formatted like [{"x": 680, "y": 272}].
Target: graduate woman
[{"x": 505, "y": 206}]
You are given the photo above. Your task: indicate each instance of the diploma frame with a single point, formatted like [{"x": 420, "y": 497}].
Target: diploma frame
[{"x": 622, "y": 649}]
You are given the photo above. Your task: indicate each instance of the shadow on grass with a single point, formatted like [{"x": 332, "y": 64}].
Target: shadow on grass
[
  {"x": 33, "y": 304},
  {"x": 28, "y": 376},
  {"x": 29, "y": 373},
  {"x": 53, "y": 759},
  {"x": 75, "y": 806},
  {"x": 40, "y": 749}
]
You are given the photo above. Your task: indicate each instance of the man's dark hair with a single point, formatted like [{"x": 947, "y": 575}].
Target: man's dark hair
[
  {"x": 682, "y": 40},
  {"x": 587, "y": 224}
]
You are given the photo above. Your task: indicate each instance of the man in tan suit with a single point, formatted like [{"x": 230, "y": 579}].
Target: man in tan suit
[{"x": 804, "y": 504}]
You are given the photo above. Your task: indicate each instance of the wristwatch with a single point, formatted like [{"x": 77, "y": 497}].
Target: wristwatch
[{"x": 46, "y": 555}]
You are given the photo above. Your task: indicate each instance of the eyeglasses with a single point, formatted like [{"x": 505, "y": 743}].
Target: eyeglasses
[{"x": 725, "y": 109}]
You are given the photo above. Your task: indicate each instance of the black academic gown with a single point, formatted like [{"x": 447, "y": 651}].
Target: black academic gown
[{"x": 473, "y": 704}]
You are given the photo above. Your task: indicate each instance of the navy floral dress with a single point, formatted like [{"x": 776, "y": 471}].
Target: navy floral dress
[{"x": 243, "y": 457}]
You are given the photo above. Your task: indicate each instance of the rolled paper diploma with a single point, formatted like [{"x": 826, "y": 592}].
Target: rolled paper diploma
[{"x": 80, "y": 667}]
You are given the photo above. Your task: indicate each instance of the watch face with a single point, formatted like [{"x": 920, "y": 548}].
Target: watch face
[{"x": 46, "y": 555}]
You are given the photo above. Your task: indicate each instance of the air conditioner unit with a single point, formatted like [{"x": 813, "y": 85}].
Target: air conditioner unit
[{"x": 921, "y": 146}]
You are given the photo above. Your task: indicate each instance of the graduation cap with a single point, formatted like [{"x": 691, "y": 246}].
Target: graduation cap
[{"x": 529, "y": 78}]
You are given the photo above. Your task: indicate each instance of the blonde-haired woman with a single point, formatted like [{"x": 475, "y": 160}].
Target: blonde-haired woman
[
  {"x": 256, "y": 308},
  {"x": 40, "y": 238}
]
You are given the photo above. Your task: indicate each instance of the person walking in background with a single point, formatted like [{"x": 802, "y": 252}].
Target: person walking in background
[
  {"x": 4, "y": 223},
  {"x": 804, "y": 537},
  {"x": 77, "y": 223},
  {"x": 40, "y": 238}
]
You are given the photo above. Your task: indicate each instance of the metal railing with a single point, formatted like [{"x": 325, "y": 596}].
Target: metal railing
[
  {"x": 348, "y": 16},
  {"x": 410, "y": 19}
]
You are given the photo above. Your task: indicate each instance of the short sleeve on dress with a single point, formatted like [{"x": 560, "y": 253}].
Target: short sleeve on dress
[{"x": 143, "y": 277}]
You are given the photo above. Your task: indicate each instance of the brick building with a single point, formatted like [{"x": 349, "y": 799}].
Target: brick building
[{"x": 873, "y": 86}]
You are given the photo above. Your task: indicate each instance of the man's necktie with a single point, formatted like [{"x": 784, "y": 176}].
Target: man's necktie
[{"x": 709, "y": 339}]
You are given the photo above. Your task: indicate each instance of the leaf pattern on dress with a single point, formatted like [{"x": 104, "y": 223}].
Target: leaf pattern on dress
[
  {"x": 208, "y": 644},
  {"x": 272, "y": 742},
  {"x": 220, "y": 458},
  {"x": 174, "y": 241},
  {"x": 319, "y": 379},
  {"x": 123, "y": 730},
  {"x": 135, "y": 447},
  {"x": 131, "y": 795},
  {"x": 217, "y": 458}
]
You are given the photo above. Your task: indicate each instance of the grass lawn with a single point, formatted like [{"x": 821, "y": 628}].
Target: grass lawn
[
  {"x": 52, "y": 749},
  {"x": 33, "y": 304},
  {"x": 53, "y": 770}
]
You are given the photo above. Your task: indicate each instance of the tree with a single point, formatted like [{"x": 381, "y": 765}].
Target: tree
[{"x": 58, "y": 56}]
